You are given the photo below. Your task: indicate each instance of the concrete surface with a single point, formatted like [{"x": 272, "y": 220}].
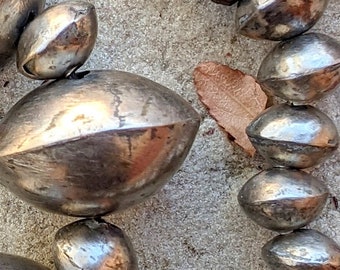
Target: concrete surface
[{"x": 194, "y": 222}]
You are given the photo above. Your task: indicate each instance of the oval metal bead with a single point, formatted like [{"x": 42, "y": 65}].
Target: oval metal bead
[
  {"x": 14, "y": 16},
  {"x": 93, "y": 244},
  {"x": 302, "y": 249},
  {"x": 293, "y": 136},
  {"x": 94, "y": 145},
  {"x": 277, "y": 19},
  {"x": 283, "y": 200},
  {"x": 302, "y": 69},
  {"x": 58, "y": 41},
  {"x": 13, "y": 262}
]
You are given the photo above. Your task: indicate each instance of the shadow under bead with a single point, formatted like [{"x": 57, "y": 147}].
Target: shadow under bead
[
  {"x": 90, "y": 146},
  {"x": 282, "y": 199},
  {"x": 277, "y": 19},
  {"x": 302, "y": 69},
  {"x": 58, "y": 41},
  {"x": 14, "y": 16},
  {"x": 302, "y": 249},
  {"x": 293, "y": 136},
  {"x": 225, "y": 2},
  {"x": 93, "y": 244},
  {"x": 13, "y": 262}
]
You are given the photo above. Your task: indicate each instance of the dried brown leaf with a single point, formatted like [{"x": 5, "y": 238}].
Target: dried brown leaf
[{"x": 233, "y": 99}]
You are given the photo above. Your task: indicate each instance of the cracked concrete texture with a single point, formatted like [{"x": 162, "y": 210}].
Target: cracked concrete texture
[{"x": 194, "y": 222}]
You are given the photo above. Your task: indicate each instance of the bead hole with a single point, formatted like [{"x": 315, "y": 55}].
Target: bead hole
[
  {"x": 27, "y": 70},
  {"x": 78, "y": 75}
]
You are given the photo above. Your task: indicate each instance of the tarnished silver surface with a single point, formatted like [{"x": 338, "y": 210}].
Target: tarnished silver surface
[
  {"x": 302, "y": 249},
  {"x": 277, "y": 19},
  {"x": 93, "y": 245},
  {"x": 283, "y": 200},
  {"x": 302, "y": 69},
  {"x": 293, "y": 136},
  {"x": 90, "y": 146},
  {"x": 14, "y": 16},
  {"x": 13, "y": 262},
  {"x": 58, "y": 41}
]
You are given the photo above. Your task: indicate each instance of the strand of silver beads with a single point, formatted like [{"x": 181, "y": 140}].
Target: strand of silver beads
[
  {"x": 291, "y": 136},
  {"x": 83, "y": 144}
]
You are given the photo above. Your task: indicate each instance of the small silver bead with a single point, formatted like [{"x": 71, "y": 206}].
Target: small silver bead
[
  {"x": 283, "y": 200},
  {"x": 14, "y": 16},
  {"x": 58, "y": 41},
  {"x": 302, "y": 69},
  {"x": 277, "y": 19},
  {"x": 93, "y": 244},
  {"x": 302, "y": 249},
  {"x": 293, "y": 136}
]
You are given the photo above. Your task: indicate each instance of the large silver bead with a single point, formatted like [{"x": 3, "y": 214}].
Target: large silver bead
[
  {"x": 13, "y": 262},
  {"x": 14, "y": 16},
  {"x": 93, "y": 244},
  {"x": 293, "y": 136},
  {"x": 58, "y": 41},
  {"x": 90, "y": 146},
  {"x": 302, "y": 249},
  {"x": 302, "y": 69},
  {"x": 283, "y": 200},
  {"x": 277, "y": 19}
]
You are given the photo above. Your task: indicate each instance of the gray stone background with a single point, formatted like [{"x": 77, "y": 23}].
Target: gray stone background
[{"x": 194, "y": 222}]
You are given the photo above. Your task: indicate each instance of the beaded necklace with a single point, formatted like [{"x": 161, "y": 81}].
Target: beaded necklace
[
  {"x": 294, "y": 136},
  {"x": 190, "y": 245}
]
